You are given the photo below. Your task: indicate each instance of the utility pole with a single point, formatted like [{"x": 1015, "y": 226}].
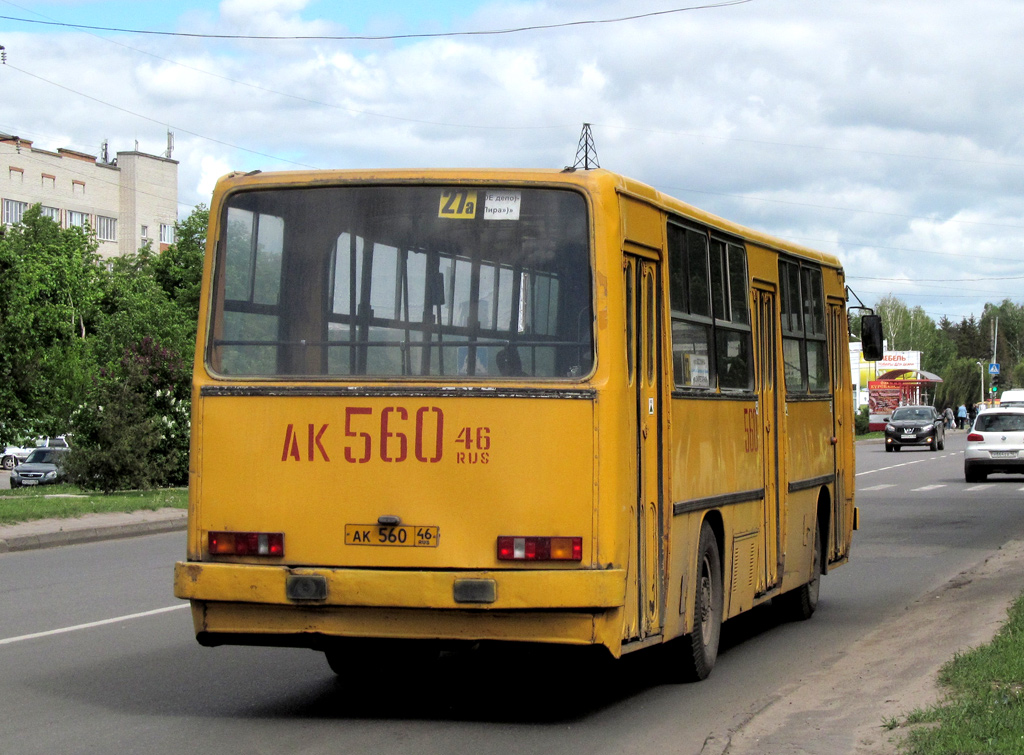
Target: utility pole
[
  {"x": 995, "y": 341},
  {"x": 586, "y": 152}
]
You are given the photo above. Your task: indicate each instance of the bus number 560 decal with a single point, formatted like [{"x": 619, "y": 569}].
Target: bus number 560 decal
[{"x": 392, "y": 434}]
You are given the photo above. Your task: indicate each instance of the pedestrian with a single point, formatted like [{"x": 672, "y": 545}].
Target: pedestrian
[
  {"x": 947, "y": 415},
  {"x": 961, "y": 416}
]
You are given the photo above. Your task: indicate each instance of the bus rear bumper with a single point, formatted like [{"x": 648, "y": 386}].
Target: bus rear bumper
[
  {"x": 504, "y": 590},
  {"x": 248, "y": 604}
]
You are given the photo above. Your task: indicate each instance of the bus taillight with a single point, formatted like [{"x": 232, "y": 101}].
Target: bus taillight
[
  {"x": 540, "y": 548},
  {"x": 246, "y": 543}
]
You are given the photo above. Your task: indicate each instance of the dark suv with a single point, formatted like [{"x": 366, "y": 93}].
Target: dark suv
[{"x": 915, "y": 426}]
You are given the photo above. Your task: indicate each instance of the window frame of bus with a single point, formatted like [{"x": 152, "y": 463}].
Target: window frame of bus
[
  {"x": 803, "y": 324},
  {"x": 272, "y": 308},
  {"x": 709, "y": 295}
]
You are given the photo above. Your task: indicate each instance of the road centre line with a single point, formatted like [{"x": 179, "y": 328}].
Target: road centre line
[
  {"x": 927, "y": 487},
  {"x": 91, "y": 624},
  {"x": 894, "y": 466}
]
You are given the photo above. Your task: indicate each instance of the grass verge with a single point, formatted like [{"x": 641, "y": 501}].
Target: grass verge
[
  {"x": 983, "y": 711},
  {"x": 870, "y": 436},
  {"x": 68, "y": 501}
]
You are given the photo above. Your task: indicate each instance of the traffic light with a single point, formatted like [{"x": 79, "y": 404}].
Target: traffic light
[{"x": 996, "y": 380}]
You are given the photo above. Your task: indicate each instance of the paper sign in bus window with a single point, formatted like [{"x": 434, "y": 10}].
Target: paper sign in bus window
[{"x": 502, "y": 205}]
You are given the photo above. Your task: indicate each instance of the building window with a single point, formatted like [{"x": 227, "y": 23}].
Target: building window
[
  {"x": 50, "y": 212},
  {"x": 78, "y": 188},
  {"x": 166, "y": 233},
  {"x": 13, "y": 210},
  {"x": 106, "y": 228},
  {"x": 49, "y": 182},
  {"x": 76, "y": 219},
  {"x": 145, "y": 233},
  {"x": 17, "y": 175}
]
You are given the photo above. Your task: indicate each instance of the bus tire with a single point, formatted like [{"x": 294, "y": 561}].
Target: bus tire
[
  {"x": 699, "y": 650},
  {"x": 799, "y": 604}
]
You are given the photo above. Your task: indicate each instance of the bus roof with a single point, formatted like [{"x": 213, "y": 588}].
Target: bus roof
[{"x": 594, "y": 179}]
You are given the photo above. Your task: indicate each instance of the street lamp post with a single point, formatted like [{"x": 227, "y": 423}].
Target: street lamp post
[{"x": 981, "y": 369}]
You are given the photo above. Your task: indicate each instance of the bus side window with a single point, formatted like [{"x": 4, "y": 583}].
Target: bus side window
[{"x": 690, "y": 302}]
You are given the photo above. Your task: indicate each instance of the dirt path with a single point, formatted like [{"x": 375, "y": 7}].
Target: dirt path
[{"x": 840, "y": 710}]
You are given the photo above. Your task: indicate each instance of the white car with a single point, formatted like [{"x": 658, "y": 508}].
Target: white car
[
  {"x": 995, "y": 444},
  {"x": 14, "y": 455}
]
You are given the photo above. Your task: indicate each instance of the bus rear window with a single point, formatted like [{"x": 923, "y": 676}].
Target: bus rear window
[{"x": 403, "y": 281}]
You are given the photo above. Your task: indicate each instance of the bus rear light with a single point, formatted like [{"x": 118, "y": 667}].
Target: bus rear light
[
  {"x": 540, "y": 548},
  {"x": 246, "y": 543}
]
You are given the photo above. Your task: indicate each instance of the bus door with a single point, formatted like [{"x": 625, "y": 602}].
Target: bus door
[
  {"x": 766, "y": 375},
  {"x": 643, "y": 336},
  {"x": 841, "y": 413}
]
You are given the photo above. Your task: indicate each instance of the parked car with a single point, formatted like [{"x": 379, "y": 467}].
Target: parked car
[
  {"x": 995, "y": 444},
  {"x": 14, "y": 455},
  {"x": 915, "y": 426},
  {"x": 43, "y": 466}
]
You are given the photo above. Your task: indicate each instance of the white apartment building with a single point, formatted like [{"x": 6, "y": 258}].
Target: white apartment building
[{"x": 127, "y": 202}]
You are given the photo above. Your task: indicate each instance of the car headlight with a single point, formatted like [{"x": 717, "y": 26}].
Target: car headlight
[
  {"x": 890, "y": 429},
  {"x": 50, "y": 475},
  {"x": 928, "y": 428}
]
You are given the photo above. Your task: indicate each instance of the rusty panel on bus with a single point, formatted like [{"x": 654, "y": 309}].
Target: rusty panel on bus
[{"x": 452, "y": 475}]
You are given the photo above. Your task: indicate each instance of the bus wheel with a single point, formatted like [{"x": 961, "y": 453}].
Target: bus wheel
[
  {"x": 799, "y": 604},
  {"x": 699, "y": 650}
]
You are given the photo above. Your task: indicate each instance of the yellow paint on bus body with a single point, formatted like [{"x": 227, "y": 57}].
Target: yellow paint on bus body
[{"x": 628, "y": 461}]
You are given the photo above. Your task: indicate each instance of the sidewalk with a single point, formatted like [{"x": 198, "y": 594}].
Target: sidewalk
[
  {"x": 47, "y": 533},
  {"x": 841, "y": 709}
]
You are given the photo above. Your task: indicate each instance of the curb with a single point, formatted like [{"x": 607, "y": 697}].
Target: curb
[{"x": 90, "y": 534}]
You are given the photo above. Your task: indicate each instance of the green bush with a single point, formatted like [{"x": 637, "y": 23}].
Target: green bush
[
  {"x": 862, "y": 421},
  {"x": 133, "y": 433}
]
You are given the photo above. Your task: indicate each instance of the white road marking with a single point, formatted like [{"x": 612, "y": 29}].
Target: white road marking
[
  {"x": 876, "y": 487},
  {"x": 977, "y": 488},
  {"x": 927, "y": 487},
  {"x": 92, "y": 624},
  {"x": 894, "y": 466}
]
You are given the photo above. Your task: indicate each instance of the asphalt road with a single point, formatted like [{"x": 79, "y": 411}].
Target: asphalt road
[{"x": 127, "y": 675}]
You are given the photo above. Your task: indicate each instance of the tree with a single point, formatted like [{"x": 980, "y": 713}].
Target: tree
[
  {"x": 179, "y": 269},
  {"x": 133, "y": 432},
  {"x": 140, "y": 401},
  {"x": 47, "y": 307}
]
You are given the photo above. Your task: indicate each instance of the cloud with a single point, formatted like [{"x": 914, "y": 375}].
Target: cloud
[{"x": 887, "y": 133}]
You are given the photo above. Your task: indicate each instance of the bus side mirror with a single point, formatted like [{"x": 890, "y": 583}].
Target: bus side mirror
[{"x": 871, "y": 338}]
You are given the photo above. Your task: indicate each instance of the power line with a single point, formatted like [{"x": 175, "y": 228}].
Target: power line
[
  {"x": 939, "y": 280},
  {"x": 823, "y": 148},
  {"x": 155, "y": 120},
  {"x": 846, "y": 242},
  {"x": 383, "y": 37},
  {"x": 842, "y": 209}
]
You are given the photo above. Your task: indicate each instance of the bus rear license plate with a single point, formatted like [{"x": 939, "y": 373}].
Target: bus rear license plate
[{"x": 403, "y": 535}]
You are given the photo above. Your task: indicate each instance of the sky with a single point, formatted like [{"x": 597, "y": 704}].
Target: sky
[{"x": 890, "y": 134}]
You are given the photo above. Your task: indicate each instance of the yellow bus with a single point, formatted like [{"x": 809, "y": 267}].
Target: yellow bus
[{"x": 437, "y": 407}]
